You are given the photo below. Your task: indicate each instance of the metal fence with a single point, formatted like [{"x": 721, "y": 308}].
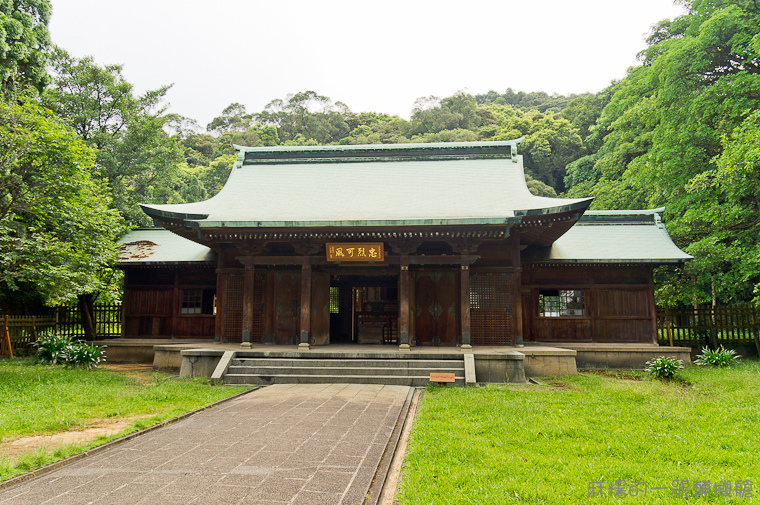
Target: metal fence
[
  {"x": 24, "y": 330},
  {"x": 711, "y": 326}
]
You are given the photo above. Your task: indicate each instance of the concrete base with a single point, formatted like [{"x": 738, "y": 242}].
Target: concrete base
[
  {"x": 548, "y": 361},
  {"x": 623, "y": 356},
  {"x": 167, "y": 358},
  {"x": 506, "y": 366},
  {"x": 200, "y": 362},
  {"x": 142, "y": 350}
]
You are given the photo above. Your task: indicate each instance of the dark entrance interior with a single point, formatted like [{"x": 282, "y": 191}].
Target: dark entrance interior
[{"x": 364, "y": 309}]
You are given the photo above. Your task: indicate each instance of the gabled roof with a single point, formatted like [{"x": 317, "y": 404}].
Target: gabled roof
[
  {"x": 470, "y": 183},
  {"x": 156, "y": 246},
  {"x": 612, "y": 236}
]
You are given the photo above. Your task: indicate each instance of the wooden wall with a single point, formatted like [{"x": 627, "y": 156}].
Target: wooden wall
[
  {"x": 153, "y": 300},
  {"x": 618, "y": 303}
]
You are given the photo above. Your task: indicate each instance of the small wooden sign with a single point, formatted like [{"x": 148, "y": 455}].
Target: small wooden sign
[
  {"x": 355, "y": 251},
  {"x": 440, "y": 377}
]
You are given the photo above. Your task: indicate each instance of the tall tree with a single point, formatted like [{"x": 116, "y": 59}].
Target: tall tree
[
  {"x": 664, "y": 133},
  {"x": 57, "y": 231},
  {"x": 24, "y": 43},
  {"x": 136, "y": 155}
]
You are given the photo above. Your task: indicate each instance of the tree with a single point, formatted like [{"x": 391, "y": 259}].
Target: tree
[
  {"x": 57, "y": 232},
  {"x": 672, "y": 134},
  {"x": 136, "y": 155},
  {"x": 24, "y": 43}
]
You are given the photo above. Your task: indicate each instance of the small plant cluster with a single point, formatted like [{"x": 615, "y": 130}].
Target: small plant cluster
[
  {"x": 664, "y": 367},
  {"x": 54, "y": 349},
  {"x": 720, "y": 357}
]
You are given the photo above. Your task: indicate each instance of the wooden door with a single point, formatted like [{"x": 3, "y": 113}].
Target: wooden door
[
  {"x": 436, "y": 314},
  {"x": 320, "y": 308},
  {"x": 287, "y": 307}
]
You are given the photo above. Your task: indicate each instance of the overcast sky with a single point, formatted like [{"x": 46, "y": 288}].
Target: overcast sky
[{"x": 373, "y": 56}]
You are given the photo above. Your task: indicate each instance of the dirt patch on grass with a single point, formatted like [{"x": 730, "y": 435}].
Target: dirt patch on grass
[
  {"x": 51, "y": 442},
  {"x": 139, "y": 372},
  {"x": 627, "y": 375}
]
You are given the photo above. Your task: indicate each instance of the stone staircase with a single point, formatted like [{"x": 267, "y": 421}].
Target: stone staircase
[{"x": 391, "y": 369}]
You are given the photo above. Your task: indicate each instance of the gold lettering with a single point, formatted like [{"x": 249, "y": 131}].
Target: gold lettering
[
  {"x": 362, "y": 252},
  {"x": 350, "y": 251},
  {"x": 338, "y": 251},
  {"x": 373, "y": 253}
]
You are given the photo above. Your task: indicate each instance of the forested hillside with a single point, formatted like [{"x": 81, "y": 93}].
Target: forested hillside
[{"x": 681, "y": 130}]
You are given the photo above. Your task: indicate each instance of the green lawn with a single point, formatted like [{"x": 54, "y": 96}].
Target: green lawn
[
  {"x": 43, "y": 400},
  {"x": 548, "y": 444}
]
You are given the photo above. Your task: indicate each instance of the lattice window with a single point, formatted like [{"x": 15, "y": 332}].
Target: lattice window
[
  {"x": 560, "y": 303},
  {"x": 233, "y": 308},
  {"x": 334, "y": 300},
  {"x": 491, "y": 308},
  {"x": 192, "y": 300}
]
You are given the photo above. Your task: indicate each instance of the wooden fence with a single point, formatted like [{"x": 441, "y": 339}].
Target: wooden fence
[
  {"x": 711, "y": 326},
  {"x": 23, "y": 330},
  {"x": 107, "y": 320}
]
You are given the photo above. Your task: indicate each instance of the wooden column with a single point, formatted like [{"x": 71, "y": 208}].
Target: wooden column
[
  {"x": 220, "y": 284},
  {"x": 305, "y": 304},
  {"x": 464, "y": 303},
  {"x": 248, "y": 280},
  {"x": 517, "y": 308},
  {"x": 403, "y": 305}
]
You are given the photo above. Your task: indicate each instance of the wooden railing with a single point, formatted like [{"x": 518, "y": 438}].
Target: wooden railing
[
  {"x": 24, "y": 330},
  {"x": 711, "y": 326}
]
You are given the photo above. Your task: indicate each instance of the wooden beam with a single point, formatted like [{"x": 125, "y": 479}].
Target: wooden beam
[{"x": 220, "y": 284}]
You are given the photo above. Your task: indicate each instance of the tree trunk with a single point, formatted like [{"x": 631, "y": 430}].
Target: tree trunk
[{"x": 86, "y": 305}]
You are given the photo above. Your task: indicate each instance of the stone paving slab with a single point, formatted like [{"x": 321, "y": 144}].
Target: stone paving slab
[{"x": 292, "y": 444}]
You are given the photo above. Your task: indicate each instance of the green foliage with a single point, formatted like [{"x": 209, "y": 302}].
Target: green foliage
[
  {"x": 680, "y": 131},
  {"x": 24, "y": 43},
  {"x": 56, "y": 227},
  {"x": 138, "y": 158},
  {"x": 720, "y": 357},
  {"x": 83, "y": 355},
  {"x": 664, "y": 367},
  {"x": 54, "y": 349}
]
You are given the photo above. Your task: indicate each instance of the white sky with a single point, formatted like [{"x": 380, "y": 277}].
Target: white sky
[{"x": 373, "y": 56}]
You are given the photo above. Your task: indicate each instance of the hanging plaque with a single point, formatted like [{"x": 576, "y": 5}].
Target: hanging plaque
[{"x": 354, "y": 251}]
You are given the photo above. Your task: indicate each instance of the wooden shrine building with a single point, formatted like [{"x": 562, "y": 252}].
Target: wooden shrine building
[{"x": 408, "y": 244}]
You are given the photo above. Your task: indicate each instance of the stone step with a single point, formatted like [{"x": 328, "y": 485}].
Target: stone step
[
  {"x": 391, "y": 380},
  {"x": 255, "y": 369},
  {"x": 354, "y": 363}
]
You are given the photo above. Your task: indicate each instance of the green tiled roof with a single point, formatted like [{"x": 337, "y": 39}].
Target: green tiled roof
[
  {"x": 156, "y": 246},
  {"x": 608, "y": 236},
  {"x": 396, "y": 185}
]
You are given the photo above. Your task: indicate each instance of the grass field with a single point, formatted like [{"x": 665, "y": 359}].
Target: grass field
[
  {"x": 45, "y": 400},
  {"x": 566, "y": 441}
]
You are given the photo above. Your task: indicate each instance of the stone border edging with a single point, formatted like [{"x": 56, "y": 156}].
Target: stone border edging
[
  {"x": 113, "y": 443},
  {"x": 383, "y": 467}
]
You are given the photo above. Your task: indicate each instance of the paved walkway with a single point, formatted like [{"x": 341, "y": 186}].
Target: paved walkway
[{"x": 294, "y": 444}]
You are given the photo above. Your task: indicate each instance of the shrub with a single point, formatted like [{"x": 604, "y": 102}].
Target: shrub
[
  {"x": 720, "y": 357},
  {"x": 664, "y": 367},
  {"x": 84, "y": 355},
  {"x": 53, "y": 349}
]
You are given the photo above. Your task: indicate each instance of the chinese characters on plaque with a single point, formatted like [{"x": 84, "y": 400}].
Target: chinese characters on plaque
[{"x": 350, "y": 251}]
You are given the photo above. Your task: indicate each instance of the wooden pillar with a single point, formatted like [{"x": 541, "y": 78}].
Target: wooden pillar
[
  {"x": 220, "y": 285},
  {"x": 464, "y": 303},
  {"x": 248, "y": 280},
  {"x": 403, "y": 305},
  {"x": 305, "y": 304},
  {"x": 517, "y": 308}
]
